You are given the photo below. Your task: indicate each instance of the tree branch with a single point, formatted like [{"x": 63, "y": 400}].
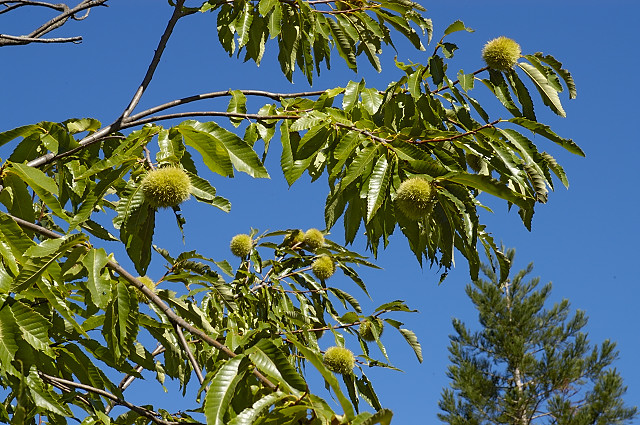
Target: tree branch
[
  {"x": 207, "y": 114},
  {"x": 62, "y": 384},
  {"x": 177, "y": 14},
  {"x": 154, "y": 298},
  {"x": 50, "y": 25},
  {"x": 187, "y": 350},
  {"x": 189, "y": 99},
  {"x": 27, "y": 40}
]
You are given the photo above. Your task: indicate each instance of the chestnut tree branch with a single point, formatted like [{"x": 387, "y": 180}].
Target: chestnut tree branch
[
  {"x": 65, "y": 385},
  {"x": 177, "y": 14},
  {"x": 155, "y": 299},
  {"x": 56, "y": 22},
  {"x": 187, "y": 350}
]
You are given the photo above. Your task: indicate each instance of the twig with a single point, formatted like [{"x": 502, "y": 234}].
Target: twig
[
  {"x": 26, "y": 40},
  {"x": 50, "y": 25},
  {"x": 20, "y": 3},
  {"x": 154, "y": 298},
  {"x": 194, "y": 98},
  {"x": 62, "y": 383},
  {"x": 457, "y": 136},
  {"x": 177, "y": 14},
  {"x": 187, "y": 350},
  {"x": 474, "y": 73},
  {"x": 128, "y": 379},
  {"x": 257, "y": 117}
]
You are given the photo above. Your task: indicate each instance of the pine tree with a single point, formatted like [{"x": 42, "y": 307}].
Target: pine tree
[{"x": 527, "y": 364}]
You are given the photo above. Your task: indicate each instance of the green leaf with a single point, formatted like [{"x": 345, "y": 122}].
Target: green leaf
[
  {"x": 378, "y": 184},
  {"x": 466, "y": 80},
  {"x": 563, "y": 73},
  {"x": 371, "y": 100},
  {"x": 343, "y": 43},
  {"x": 556, "y": 168},
  {"x": 16, "y": 197},
  {"x": 548, "y": 93},
  {"x": 40, "y": 257},
  {"x": 222, "y": 389},
  {"x": 8, "y": 341},
  {"x": 242, "y": 156},
  {"x": 43, "y": 397},
  {"x": 237, "y": 105},
  {"x": 489, "y": 185},
  {"x": 23, "y": 131},
  {"x": 34, "y": 328},
  {"x": 363, "y": 159},
  {"x": 267, "y": 356},
  {"x": 98, "y": 280},
  {"x": 45, "y": 187},
  {"x": 411, "y": 338},
  {"x": 546, "y": 131},
  {"x": 249, "y": 415},
  {"x": 382, "y": 417},
  {"x": 214, "y": 154},
  {"x": 456, "y": 26},
  {"x": 203, "y": 191},
  {"x": 351, "y": 94}
]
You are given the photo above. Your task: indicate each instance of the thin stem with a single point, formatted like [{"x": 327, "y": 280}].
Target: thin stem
[
  {"x": 25, "y": 39},
  {"x": 458, "y": 81},
  {"x": 458, "y": 136},
  {"x": 128, "y": 379},
  {"x": 256, "y": 117},
  {"x": 61, "y": 383},
  {"x": 177, "y": 14},
  {"x": 194, "y": 98},
  {"x": 187, "y": 350},
  {"x": 50, "y": 25}
]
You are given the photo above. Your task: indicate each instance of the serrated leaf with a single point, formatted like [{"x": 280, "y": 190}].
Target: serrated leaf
[
  {"x": 362, "y": 160},
  {"x": 351, "y": 94},
  {"x": 249, "y": 415},
  {"x": 270, "y": 360},
  {"x": 411, "y": 338},
  {"x": 34, "y": 328},
  {"x": 549, "y": 94},
  {"x": 545, "y": 131},
  {"x": 343, "y": 43},
  {"x": 242, "y": 156},
  {"x": 98, "y": 282},
  {"x": 9, "y": 135},
  {"x": 40, "y": 257},
  {"x": 378, "y": 184},
  {"x": 371, "y": 100},
  {"x": 221, "y": 390},
  {"x": 43, "y": 185},
  {"x": 203, "y": 191},
  {"x": 456, "y": 26},
  {"x": 563, "y": 73},
  {"x": 237, "y": 105},
  {"x": 43, "y": 397},
  {"x": 8, "y": 337},
  {"x": 556, "y": 168},
  {"x": 489, "y": 185}
]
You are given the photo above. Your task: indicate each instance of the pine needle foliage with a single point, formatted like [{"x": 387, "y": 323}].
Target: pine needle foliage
[{"x": 528, "y": 364}]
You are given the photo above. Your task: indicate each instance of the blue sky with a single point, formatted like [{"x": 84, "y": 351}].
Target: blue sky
[{"x": 585, "y": 239}]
